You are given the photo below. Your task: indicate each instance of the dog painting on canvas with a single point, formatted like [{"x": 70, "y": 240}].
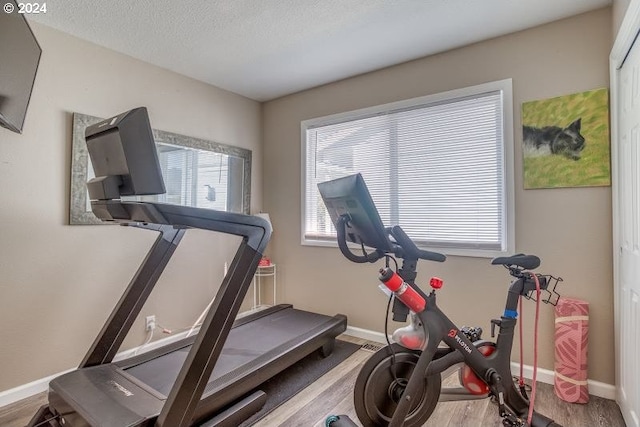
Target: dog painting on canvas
[
  {"x": 549, "y": 140},
  {"x": 565, "y": 141}
]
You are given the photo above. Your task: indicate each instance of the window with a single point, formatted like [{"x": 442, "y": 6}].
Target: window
[{"x": 441, "y": 166}]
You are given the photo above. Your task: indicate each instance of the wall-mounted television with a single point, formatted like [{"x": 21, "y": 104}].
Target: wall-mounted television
[{"x": 19, "y": 59}]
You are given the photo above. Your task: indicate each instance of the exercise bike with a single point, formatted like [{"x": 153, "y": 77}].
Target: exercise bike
[{"x": 401, "y": 384}]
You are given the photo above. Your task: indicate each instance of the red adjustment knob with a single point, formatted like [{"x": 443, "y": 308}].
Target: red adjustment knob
[{"x": 436, "y": 282}]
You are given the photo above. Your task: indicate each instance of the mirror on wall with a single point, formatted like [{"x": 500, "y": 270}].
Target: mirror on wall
[{"x": 196, "y": 172}]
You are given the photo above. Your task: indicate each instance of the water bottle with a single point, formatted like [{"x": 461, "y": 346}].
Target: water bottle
[{"x": 402, "y": 290}]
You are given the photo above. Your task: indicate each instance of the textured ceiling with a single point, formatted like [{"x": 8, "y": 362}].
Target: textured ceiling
[{"x": 264, "y": 49}]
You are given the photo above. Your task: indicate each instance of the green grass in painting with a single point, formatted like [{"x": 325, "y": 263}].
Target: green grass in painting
[{"x": 593, "y": 168}]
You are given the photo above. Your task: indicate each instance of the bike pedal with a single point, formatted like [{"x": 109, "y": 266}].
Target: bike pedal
[
  {"x": 508, "y": 423},
  {"x": 512, "y": 421},
  {"x": 473, "y": 333}
]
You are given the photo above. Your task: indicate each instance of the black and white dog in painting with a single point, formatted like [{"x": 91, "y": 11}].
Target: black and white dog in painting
[{"x": 548, "y": 140}]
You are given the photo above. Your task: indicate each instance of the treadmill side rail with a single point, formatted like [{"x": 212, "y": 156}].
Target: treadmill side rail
[
  {"x": 238, "y": 412},
  {"x": 256, "y": 230}
]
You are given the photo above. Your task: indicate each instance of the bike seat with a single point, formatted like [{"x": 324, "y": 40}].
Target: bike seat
[{"x": 528, "y": 262}]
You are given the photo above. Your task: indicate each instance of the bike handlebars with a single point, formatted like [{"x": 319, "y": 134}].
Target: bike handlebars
[
  {"x": 410, "y": 249},
  {"x": 403, "y": 246}
]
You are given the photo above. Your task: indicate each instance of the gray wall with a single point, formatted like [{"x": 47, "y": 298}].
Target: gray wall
[
  {"x": 58, "y": 283},
  {"x": 570, "y": 229},
  {"x": 619, "y": 8}
]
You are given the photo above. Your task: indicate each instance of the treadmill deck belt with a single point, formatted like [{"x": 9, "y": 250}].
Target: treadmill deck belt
[{"x": 245, "y": 343}]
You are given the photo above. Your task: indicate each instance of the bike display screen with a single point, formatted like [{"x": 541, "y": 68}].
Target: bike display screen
[{"x": 349, "y": 196}]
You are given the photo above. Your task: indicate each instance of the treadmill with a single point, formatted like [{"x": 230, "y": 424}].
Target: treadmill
[{"x": 210, "y": 379}]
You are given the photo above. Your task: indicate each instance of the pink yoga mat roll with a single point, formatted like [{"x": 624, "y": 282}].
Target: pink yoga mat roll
[{"x": 572, "y": 337}]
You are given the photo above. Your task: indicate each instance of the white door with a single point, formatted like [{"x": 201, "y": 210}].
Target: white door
[{"x": 628, "y": 175}]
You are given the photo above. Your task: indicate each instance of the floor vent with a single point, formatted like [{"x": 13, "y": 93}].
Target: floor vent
[{"x": 372, "y": 347}]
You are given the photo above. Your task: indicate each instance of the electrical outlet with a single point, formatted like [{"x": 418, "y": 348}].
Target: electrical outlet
[{"x": 150, "y": 323}]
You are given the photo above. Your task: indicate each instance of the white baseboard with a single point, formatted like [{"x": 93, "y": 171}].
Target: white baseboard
[
  {"x": 366, "y": 334},
  {"x": 596, "y": 388},
  {"x": 12, "y": 395}
]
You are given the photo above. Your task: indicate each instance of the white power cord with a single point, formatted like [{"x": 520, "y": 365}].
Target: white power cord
[
  {"x": 149, "y": 338},
  {"x": 198, "y": 322}
]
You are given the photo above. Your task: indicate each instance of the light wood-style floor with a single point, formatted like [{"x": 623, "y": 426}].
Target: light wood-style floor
[{"x": 331, "y": 394}]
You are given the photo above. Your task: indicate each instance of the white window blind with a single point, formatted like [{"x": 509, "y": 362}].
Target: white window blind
[{"x": 435, "y": 168}]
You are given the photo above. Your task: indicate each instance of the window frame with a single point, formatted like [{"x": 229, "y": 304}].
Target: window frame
[{"x": 505, "y": 87}]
